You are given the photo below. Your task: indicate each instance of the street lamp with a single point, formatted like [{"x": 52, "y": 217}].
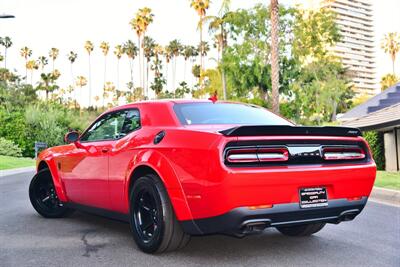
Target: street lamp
[{"x": 6, "y": 16}]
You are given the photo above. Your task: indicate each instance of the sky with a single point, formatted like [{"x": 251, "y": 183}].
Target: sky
[{"x": 67, "y": 24}]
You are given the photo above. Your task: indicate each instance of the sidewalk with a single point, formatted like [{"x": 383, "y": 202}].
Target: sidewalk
[
  {"x": 385, "y": 196},
  {"x": 16, "y": 171}
]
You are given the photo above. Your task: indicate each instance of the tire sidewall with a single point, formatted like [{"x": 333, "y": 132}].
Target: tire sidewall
[
  {"x": 149, "y": 183},
  {"x": 44, "y": 174}
]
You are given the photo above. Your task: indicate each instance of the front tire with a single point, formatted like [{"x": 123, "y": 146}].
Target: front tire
[
  {"x": 154, "y": 226},
  {"x": 301, "y": 230},
  {"x": 43, "y": 196}
]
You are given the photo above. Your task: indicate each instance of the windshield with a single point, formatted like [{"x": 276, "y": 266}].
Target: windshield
[{"x": 226, "y": 113}]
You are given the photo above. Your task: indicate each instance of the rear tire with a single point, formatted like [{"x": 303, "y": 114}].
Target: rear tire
[
  {"x": 301, "y": 230},
  {"x": 43, "y": 196},
  {"x": 154, "y": 226}
]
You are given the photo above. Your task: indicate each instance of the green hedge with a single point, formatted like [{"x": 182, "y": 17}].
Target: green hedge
[{"x": 375, "y": 141}]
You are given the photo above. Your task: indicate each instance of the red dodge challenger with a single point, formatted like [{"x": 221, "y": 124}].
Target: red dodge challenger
[{"x": 178, "y": 168}]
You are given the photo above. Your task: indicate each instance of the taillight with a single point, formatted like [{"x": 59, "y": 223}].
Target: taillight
[
  {"x": 342, "y": 153},
  {"x": 254, "y": 155}
]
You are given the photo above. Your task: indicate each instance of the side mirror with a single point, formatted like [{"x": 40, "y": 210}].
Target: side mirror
[{"x": 71, "y": 137}]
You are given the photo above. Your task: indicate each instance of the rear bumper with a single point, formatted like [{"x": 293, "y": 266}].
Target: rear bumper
[{"x": 242, "y": 220}]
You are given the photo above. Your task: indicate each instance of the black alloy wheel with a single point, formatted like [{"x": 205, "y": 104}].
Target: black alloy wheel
[
  {"x": 154, "y": 226},
  {"x": 146, "y": 214},
  {"x": 43, "y": 196}
]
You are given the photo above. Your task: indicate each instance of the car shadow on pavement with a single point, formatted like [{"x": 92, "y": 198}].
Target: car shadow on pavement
[{"x": 270, "y": 242}]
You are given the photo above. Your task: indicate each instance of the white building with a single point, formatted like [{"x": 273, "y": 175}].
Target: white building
[{"x": 357, "y": 47}]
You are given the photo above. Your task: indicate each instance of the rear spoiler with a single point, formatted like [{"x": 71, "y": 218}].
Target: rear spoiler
[{"x": 263, "y": 130}]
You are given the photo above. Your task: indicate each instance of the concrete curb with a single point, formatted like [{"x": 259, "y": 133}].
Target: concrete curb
[
  {"x": 385, "y": 196},
  {"x": 16, "y": 171}
]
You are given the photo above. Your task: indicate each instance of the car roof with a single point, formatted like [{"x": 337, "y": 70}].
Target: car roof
[{"x": 168, "y": 102}]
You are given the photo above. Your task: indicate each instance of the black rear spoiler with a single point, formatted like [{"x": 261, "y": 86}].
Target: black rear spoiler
[{"x": 263, "y": 130}]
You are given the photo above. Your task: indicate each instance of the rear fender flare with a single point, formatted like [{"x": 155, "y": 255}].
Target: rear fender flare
[{"x": 162, "y": 167}]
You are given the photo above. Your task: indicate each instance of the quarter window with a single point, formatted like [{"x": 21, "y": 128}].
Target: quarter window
[{"x": 113, "y": 126}]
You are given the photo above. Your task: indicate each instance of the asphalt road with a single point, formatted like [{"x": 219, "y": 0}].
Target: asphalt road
[{"x": 26, "y": 239}]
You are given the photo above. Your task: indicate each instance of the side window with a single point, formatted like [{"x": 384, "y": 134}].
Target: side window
[{"x": 113, "y": 126}]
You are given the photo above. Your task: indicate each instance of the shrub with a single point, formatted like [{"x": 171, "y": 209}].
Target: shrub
[
  {"x": 8, "y": 148},
  {"x": 13, "y": 127},
  {"x": 375, "y": 141}
]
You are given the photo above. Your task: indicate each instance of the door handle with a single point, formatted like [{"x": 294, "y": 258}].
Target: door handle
[{"x": 104, "y": 149}]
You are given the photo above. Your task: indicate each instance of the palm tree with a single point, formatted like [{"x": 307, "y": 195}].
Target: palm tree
[
  {"x": 81, "y": 81},
  {"x": 203, "y": 48},
  {"x": 72, "y": 56},
  {"x": 167, "y": 54},
  {"x": 42, "y": 61},
  {"x": 217, "y": 26},
  {"x": 44, "y": 84},
  {"x": 187, "y": 52},
  {"x": 275, "y": 55},
  {"x": 201, "y": 7},
  {"x": 391, "y": 45},
  {"x": 175, "y": 48},
  {"x": 388, "y": 80},
  {"x": 148, "y": 51},
  {"x": 131, "y": 50},
  {"x": 140, "y": 24},
  {"x": 26, "y": 53},
  {"x": 159, "y": 80},
  {"x": 53, "y": 54},
  {"x": 118, "y": 52},
  {"x": 89, "y": 49},
  {"x": 105, "y": 47},
  {"x": 7, "y": 43},
  {"x": 31, "y": 65}
]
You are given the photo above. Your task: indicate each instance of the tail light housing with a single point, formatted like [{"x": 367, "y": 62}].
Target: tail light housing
[
  {"x": 343, "y": 153},
  {"x": 255, "y": 155}
]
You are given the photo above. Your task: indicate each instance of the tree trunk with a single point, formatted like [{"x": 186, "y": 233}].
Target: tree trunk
[
  {"x": 105, "y": 77},
  {"x": 222, "y": 69},
  {"x": 201, "y": 51},
  {"x": 184, "y": 70},
  {"x": 118, "y": 73},
  {"x": 140, "y": 62},
  {"x": 73, "y": 85},
  {"x": 334, "y": 111},
  {"x": 143, "y": 68},
  {"x": 147, "y": 79},
  {"x": 26, "y": 71},
  {"x": 90, "y": 83},
  {"x": 275, "y": 55},
  {"x": 174, "y": 74},
  {"x": 393, "y": 59},
  {"x": 5, "y": 58}
]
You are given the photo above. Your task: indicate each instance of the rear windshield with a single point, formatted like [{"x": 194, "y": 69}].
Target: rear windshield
[{"x": 225, "y": 113}]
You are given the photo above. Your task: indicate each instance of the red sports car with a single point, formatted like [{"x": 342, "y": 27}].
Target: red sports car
[{"x": 178, "y": 168}]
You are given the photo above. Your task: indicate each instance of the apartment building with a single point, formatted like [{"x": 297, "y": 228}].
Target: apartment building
[{"x": 357, "y": 47}]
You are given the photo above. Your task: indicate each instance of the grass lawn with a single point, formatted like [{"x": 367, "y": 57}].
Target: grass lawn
[
  {"x": 390, "y": 180},
  {"x": 7, "y": 162}
]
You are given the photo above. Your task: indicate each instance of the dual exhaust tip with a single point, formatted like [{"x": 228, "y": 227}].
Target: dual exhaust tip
[{"x": 258, "y": 225}]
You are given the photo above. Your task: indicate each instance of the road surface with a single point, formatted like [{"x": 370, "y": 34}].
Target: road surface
[{"x": 26, "y": 239}]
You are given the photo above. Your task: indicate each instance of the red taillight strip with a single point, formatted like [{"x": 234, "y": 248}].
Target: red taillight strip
[
  {"x": 257, "y": 155},
  {"x": 342, "y": 153}
]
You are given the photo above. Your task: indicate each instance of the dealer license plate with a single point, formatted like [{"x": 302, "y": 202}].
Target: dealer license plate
[{"x": 313, "y": 197}]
